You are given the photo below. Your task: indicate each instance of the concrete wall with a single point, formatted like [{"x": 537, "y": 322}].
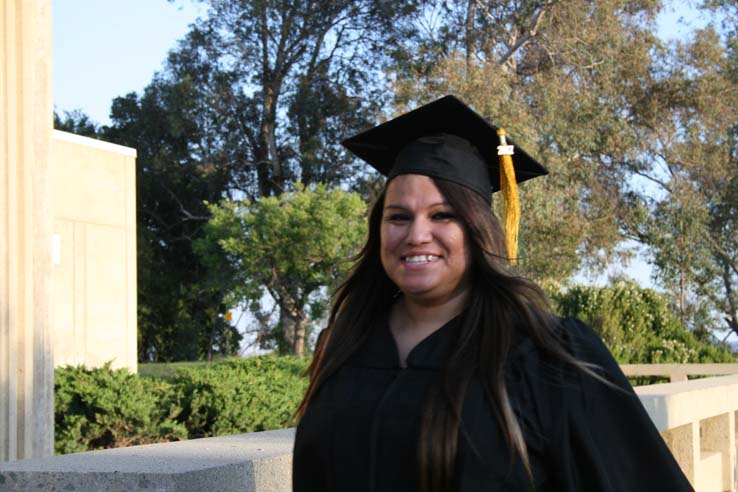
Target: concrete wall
[
  {"x": 258, "y": 462},
  {"x": 696, "y": 419},
  {"x": 26, "y": 368},
  {"x": 85, "y": 191},
  {"x": 94, "y": 252}
]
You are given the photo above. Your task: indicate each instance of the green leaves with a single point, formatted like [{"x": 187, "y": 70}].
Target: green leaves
[
  {"x": 241, "y": 395},
  {"x": 105, "y": 408},
  {"x": 685, "y": 216},
  {"x": 293, "y": 248},
  {"x": 636, "y": 324}
]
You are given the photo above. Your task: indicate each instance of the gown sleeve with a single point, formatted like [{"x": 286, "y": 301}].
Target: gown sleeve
[{"x": 605, "y": 441}]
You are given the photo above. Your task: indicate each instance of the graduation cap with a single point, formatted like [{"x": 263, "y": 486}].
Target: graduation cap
[{"x": 447, "y": 140}]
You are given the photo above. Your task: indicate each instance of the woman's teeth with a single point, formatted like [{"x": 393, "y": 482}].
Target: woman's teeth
[{"x": 419, "y": 259}]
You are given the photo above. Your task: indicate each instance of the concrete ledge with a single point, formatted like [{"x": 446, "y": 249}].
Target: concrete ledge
[
  {"x": 671, "y": 405},
  {"x": 92, "y": 142},
  {"x": 678, "y": 372},
  {"x": 254, "y": 462},
  {"x": 696, "y": 418}
]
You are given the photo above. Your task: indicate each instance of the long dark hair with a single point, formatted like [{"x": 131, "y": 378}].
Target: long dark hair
[{"x": 499, "y": 303}]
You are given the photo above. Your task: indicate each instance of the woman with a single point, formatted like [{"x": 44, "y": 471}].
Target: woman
[{"x": 441, "y": 371}]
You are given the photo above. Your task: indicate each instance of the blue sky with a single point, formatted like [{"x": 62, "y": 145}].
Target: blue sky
[{"x": 107, "y": 48}]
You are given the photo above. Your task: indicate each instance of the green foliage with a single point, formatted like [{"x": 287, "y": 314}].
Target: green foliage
[
  {"x": 290, "y": 106},
  {"x": 561, "y": 97},
  {"x": 76, "y": 122},
  {"x": 168, "y": 370},
  {"x": 687, "y": 214},
  {"x": 105, "y": 408},
  {"x": 218, "y": 122},
  {"x": 236, "y": 396},
  {"x": 636, "y": 324},
  {"x": 293, "y": 248},
  {"x": 178, "y": 313},
  {"x": 639, "y": 135}
]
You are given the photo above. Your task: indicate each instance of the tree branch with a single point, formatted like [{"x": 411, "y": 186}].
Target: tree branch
[{"x": 532, "y": 32}]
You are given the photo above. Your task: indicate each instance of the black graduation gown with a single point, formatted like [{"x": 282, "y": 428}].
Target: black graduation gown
[{"x": 360, "y": 432}]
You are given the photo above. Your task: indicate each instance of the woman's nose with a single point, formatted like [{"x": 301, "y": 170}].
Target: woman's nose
[{"x": 419, "y": 232}]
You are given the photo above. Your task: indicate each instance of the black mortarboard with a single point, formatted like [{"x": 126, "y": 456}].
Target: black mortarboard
[
  {"x": 447, "y": 140},
  {"x": 444, "y": 139}
]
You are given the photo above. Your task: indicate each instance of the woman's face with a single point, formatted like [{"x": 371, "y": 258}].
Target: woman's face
[{"x": 424, "y": 250}]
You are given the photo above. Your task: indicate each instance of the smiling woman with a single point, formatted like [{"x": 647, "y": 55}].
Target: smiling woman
[
  {"x": 423, "y": 245},
  {"x": 424, "y": 253},
  {"x": 442, "y": 370}
]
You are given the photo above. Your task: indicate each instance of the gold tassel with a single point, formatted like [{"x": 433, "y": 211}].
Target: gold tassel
[{"x": 511, "y": 204}]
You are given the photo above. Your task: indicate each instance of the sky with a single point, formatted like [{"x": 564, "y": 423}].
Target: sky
[
  {"x": 107, "y": 48},
  {"x": 103, "y": 49}
]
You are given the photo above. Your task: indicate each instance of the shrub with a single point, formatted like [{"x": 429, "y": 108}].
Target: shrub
[
  {"x": 240, "y": 395},
  {"x": 636, "y": 324},
  {"x": 106, "y": 408}
]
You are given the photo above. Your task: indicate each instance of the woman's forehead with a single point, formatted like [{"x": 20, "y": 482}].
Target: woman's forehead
[{"x": 413, "y": 189}]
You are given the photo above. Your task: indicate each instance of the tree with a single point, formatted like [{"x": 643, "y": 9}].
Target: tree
[
  {"x": 689, "y": 158},
  {"x": 256, "y": 96},
  {"x": 76, "y": 122},
  {"x": 304, "y": 75},
  {"x": 285, "y": 251},
  {"x": 179, "y": 317},
  {"x": 556, "y": 76},
  {"x": 626, "y": 124}
]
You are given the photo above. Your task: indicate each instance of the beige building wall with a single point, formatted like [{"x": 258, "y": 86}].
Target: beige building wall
[
  {"x": 26, "y": 368},
  {"x": 94, "y": 252}
]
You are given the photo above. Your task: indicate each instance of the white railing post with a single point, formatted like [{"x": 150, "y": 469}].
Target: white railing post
[
  {"x": 684, "y": 443},
  {"x": 718, "y": 435}
]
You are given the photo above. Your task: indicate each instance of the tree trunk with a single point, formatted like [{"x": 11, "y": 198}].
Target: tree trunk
[
  {"x": 287, "y": 323},
  {"x": 293, "y": 330},
  {"x": 471, "y": 12},
  {"x": 298, "y": 348},
  {"x": 682, "y": 282},
  {"x": 731, "y": 316},
  {"x": 273, "y": 183}
]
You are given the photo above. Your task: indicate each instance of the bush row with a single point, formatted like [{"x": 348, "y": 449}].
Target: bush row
[{"x": 103, "y": 408}]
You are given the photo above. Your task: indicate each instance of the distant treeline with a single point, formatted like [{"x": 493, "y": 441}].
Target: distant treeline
[{"x": 639, "y": 134}]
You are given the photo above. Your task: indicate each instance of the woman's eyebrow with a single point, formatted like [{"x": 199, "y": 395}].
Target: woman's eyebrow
[{"x": 401, "y": 207}]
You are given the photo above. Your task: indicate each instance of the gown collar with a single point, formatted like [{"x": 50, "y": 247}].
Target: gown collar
[{"x": 380, "y": 349}]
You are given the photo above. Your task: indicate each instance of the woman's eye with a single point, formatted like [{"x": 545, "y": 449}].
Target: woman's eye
[
  {"x": 397, "y": 217},
  {"x": 444, "y": 216}
]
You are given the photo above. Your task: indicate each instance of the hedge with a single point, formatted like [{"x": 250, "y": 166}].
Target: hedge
[
  {"x": 105, "y": 408},
  {"x": 240, "y": 395}
]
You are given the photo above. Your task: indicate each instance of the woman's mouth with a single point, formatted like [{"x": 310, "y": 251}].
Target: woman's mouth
[{"x": 419, "y": 259}]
